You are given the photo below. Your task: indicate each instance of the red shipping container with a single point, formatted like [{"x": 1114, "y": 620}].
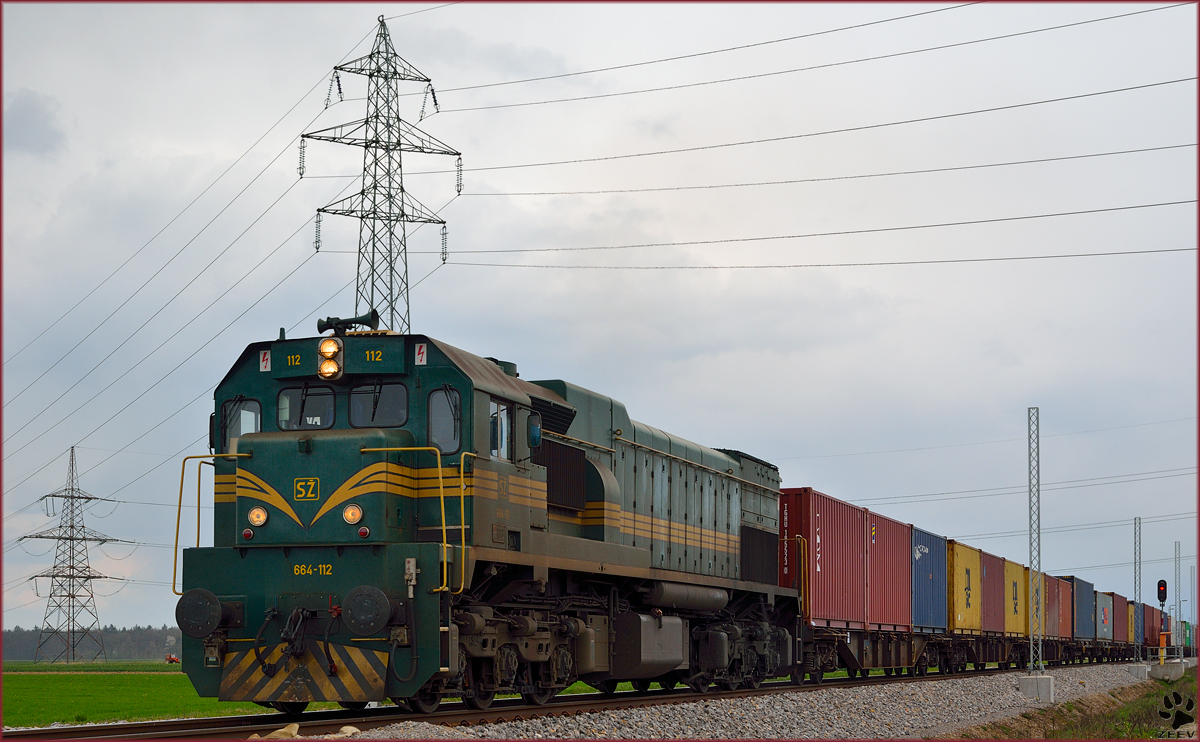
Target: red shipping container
[
  {"x": 1066, "y": 609},
  {"x": 1153, "y": 619},
  {"x": 1049, "y": 607},
  {"x": 889, "y": 573},
  {"x": 991, "y": 586},
  {"x": 1121, "y": 627},
  {"x": 835, "y": 567}
]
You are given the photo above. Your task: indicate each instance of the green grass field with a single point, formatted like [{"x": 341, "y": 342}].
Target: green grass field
[{"x": 101, "y": 667}]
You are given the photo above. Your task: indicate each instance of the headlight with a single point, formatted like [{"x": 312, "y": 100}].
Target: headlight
[
  {"x": 328, "y": 369},
  {"x": 352, "y": 514},
  {"x": 257, "y": 516},
  {"x": 328, "y": 348}
]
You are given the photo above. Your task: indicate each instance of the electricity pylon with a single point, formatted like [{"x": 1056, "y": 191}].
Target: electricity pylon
[
  {"x": 384, "y": 208},
  {"x": 71, "y": 629}
]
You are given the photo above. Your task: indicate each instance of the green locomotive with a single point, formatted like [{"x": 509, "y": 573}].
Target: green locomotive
[{"x": 398, "y": 518}]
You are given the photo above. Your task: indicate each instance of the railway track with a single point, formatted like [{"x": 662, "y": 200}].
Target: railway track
[{"x": 450, "y": 714}]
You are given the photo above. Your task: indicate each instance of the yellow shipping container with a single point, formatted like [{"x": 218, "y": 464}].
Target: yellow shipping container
[
  {"x": 965, "y": 593},
  {"x": 1016, "y": 585},
  {"x": 1132, "y": 638}
]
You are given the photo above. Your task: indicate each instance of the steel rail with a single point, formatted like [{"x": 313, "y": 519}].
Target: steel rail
[{"x": 451, "y": 714}]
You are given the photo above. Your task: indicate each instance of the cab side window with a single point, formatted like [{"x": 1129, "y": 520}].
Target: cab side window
[
  {"x": 501, "y": 430},
  {"x": 238, "y": 417},
  {"x": 445, "y": 419}
]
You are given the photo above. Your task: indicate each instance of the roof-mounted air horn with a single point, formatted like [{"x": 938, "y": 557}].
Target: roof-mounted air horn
[{"x": 339, "y": 325}]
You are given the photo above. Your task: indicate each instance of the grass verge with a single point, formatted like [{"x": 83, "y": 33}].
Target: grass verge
[
  {"x": 1131, "y": 712},
  {"x": 18, "y": 666}
]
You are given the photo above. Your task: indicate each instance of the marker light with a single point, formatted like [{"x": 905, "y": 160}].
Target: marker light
[
  {"x": 248, "y": 534},
  {"x": 328, "y": 348},
  {"x": 352, "y": 514},
  {"x": 364, "y": 532},
  {"x": 257, "y": 516},
  {"x": 328, "y": 369}
]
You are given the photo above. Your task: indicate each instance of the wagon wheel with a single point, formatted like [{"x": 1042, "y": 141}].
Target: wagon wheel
[
  {"x": 797, "y": 676},
  {"x": 539, "y": 697},
  {"x": 642, "y": 685},
  {"x": 607, "y": 687},
  {"x": 850, "y": 673},
  {"x": 668, "y": 682},
  {"x": 290, "y": 707},
  {"x": 728, "y": 684},
  {"x": 816, "y": 675},
  {"x": 754, "y": 680},
  {"x": 424, "y": 702},
  {"x": 353, "y": 705},
  {"x": 887, "y": 672}
]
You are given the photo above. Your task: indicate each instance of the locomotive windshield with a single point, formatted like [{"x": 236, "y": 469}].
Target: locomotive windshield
[
  {"x": 306, "y": 408},
  {"x": 378, "y": 405}
]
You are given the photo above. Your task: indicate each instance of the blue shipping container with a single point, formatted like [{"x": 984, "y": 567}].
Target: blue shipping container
[
  {"x": 929, "y": 600},
  {"x": 1083, "y": 614},
  {"x": 1139, "y": 624}
]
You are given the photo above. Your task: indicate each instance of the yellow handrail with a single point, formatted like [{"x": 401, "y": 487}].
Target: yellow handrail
[
  {"x": 445, "y": 587},
  {"x": 179, "y": 509},
  {"x": 462, "y": 516}
]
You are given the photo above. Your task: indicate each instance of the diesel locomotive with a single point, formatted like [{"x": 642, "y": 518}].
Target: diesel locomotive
[{"x": 397, "y": 518}]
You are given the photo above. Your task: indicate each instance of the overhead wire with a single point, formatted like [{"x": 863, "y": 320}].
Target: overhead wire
[
  {"x": 709, "y": 52},
  {"x": 775, "y": 73},
  {"x": 807, "y": 235},
  {"x": 42, "y": 410},
  {"x": 985, "y": 443},
  {"x": 195, "y": 316},
  {"x": 1083, "y": 526},
  {"x": 832, "y": 178},
  {"x": 909, "y": 499},
  {"x": 806, "y": 135}
]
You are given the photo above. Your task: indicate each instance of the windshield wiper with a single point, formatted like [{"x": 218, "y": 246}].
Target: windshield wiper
[
  {"x": 375, "y": 398},
  {"x": 303, "y": 400}
]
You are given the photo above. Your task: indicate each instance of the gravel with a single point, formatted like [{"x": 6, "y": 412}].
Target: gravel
[{"x": 901, "y": 709}]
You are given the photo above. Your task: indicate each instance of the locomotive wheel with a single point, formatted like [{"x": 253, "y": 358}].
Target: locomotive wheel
[
  {"x": 754, "y": 680},
  {"x": 424, "y": 702},
  {"x": 728, "y": 684},
  {"x": 642, "y": 685},
  {"x": 477, "y": 698},
  {"x": 353, "y": 705},
  {"x": 290, "y": 707},
  {"x": 539, "y": 697}
]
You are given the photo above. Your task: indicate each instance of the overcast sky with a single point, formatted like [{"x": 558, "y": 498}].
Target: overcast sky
[{"x": 716, "y": 144}]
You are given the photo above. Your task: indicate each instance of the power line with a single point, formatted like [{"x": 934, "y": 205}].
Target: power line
[
  {"x": 1070, "y": 570},
  {"x": 790, "y": 137},
  {"x": 981, "y": 443},
  {"x": 245, "y": 275},
  {"x": 1080, "y": 527},
  {"x": 1018, "y": 487},
  {"x": 908, "y": 499},
  {"x": 829, "y": 265},
  {"x": 811, "y": 180},
  {"x": 701, "y": 54},
  {"x": 775, "y": 73},
  {"x": 423, "y": 10},
  {"x": 147, "y": 321},
  {"x": 809, "y": 235}
]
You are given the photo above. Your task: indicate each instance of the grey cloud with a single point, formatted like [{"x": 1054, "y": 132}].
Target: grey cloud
[{"x": 31, "y": 124}]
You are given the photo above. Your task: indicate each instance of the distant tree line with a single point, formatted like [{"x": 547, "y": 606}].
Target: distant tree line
[{"x": 137, "y": 643}]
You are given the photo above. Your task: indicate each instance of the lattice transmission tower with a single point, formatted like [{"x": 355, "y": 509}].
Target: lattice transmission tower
[
  {"x": 1036, "y": 614},
  {"x": 383, "y": 206},
  {"x": 71, "y": 629}
]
